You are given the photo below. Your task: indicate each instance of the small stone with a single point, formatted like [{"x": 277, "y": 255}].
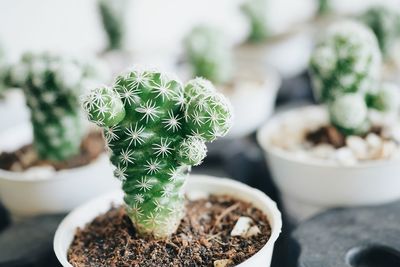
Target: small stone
[
  {"x": 358, "y": 146},
  {"x": 242, "y": 226},
  {"x": 254, "y": 230},
  {"x": 345, "y": 156},
  {"x": 324, "y": 151},
  {"x": 373, "y": 140},
  {"x": 222, "y": 263},
  {"x": 196, "y": 195},
  {"x": 388, "y": 149}
]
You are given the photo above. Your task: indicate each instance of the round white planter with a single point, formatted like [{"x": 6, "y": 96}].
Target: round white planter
[
  {"x": 253, "y": 103},
  {"x": 288, "y": 53},
  {"x": 310, "y": 186},
  {"x": 13, "y": 109},
  {"x": 197, "y": 185},
  {"x": 42, "y": 190}
]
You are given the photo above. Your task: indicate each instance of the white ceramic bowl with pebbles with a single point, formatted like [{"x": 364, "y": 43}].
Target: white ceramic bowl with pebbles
[
  {"x": 198, "y": 186},
  {"x": 42, "y": 189},
  {"x": 312, "y": 178}
]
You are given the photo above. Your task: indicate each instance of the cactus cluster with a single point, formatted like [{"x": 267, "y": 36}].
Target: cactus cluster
[
  {"x": 52, "y": 86},
  {"x": 385, "y": 23},
  {"x": 255, "y": 11},
  {"x": 345, "y": 68},
  {"x": 113, "y": 17},
  {"x": 324, "y": 7},
  {"x": 156, "y": 129},
  {"x": 209, "y": 53}
]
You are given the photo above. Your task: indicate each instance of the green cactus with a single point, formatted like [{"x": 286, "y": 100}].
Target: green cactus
[
  {"x": 209, "y": 54},
  {"x": 52, "y": 86},
  {"x": 156, "y": 130},
  {"x": 255, "y": 11},
  {"x": 324, "y": 7},
  {"x": 385, "y": 99},
  {"x": 113, "y": 17},
  {"x": 3, "y": 72},
  {"x": 385, "y": 23},
  {"x": 349, "y": 113},
  {"x": 345, "y": 60}
]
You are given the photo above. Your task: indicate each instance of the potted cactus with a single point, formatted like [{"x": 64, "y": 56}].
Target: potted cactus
[
  {"x": 347, "y": 151},
  {"x": 385, "y": 23},
  {"x": 42, "y": 164},
  {"x": 11, "y": 101},
  {"x": 113, "y": 18},
  {"x": 252, "y": 92},
  {"x": 157, "y": 129},
  {"x": 278, "y": 36}
]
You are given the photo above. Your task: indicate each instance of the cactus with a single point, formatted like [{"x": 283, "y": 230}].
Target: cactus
[
  {"x": 385, "y": 99},
  {"x": 385, "y": 23},
  {"x": 113, "y": 16},
  {"x": 346, "y": 60},
  {"x": 209, "y": 54},
  {"x": 156, "y": 130},
  {"x": 324, "y": 7},
  {"x": 52, "y": 86},
  {"x": 255, "y": 11},
  {"x": 349, "y": 113},
  {"x": 3, "y": 71}
]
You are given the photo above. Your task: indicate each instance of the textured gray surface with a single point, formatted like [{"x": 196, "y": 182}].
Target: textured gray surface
[{"x": 357, "y": 237}]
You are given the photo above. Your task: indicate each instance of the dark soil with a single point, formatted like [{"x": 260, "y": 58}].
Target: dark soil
[
  {"x": 330, "y": 135},
  {"x": 202, "y": 237},
  {"x": 25, "y": 157}
]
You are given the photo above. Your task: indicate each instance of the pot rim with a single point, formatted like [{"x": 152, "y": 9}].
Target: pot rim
[
  {"x": 17, "y": 177},
  {"x": 274, "y": 218},
  {"x": 264, "y": 133}
]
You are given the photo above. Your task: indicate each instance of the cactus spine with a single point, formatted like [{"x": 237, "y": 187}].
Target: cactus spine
[
  {"x": 345, "y": 67},
  {"x": 385, "y": 23},
  {"x": 113, "y": 15},
  {"x": 255, "y": 11},
  {"x": 52, "y": 86},
  {"x": 209, "y": 54},
  {"x": 156, "y": 130}
]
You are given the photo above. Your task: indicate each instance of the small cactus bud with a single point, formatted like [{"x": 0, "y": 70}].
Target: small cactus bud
[
  {"x": 386, "y": 99},
  {"x": 255, "y": 11}
]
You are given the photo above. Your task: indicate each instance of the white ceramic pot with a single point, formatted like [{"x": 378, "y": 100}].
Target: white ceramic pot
[
  {"x": 13, "y": 110},
  {"x": 288, "y": 53},
  {"x": 197, "y": 185},
  {"x": 310, "y": 186},
  {"x": 42, "y": 190},
  {"x": 253, "y": 101}
]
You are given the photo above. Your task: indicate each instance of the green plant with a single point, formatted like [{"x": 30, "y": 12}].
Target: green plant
[
  {"x": 113, "y": 15},
  {"x": 52, "y": 86},
  {"x": 345, "y": 67},
  {"x": 385, "y": 23},
  {"x": 3, "y": 71},
  {"x": 324, "y": 7},
  {"x": 255, "y": 11},
  {"x": 156, "y": 129},
  {"x": 209, "y": 54}
]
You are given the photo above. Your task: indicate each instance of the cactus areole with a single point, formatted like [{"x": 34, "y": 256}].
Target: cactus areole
[{"x": 156, "y": 129}]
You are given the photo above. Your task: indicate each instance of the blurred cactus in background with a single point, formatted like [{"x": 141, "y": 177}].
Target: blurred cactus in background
[
  {"x": 113, "y": 17},
  {"x": 385, "y": 23},
  {"x": 3, "y": 71},
  {"x": 324, "y": 7},
  {"x": 255, "y": 11},
  {"x": 209, "y": 54},
  {"x": 346, "y": 59},
  {"x": 52, "y": 86},
  {"x": 156, "y": 130},
  {"x": 345, "y": 67}
]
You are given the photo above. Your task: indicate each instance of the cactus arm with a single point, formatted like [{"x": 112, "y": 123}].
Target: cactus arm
[
  {"x": 151, "y": 145},
  {"x": 385, "y": 99}
]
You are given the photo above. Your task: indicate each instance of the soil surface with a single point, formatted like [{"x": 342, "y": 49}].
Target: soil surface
[
  {"x": 202, "y": 237},
  {"x": 25, "y": 157},
  {"x": 330, "y": 135}
]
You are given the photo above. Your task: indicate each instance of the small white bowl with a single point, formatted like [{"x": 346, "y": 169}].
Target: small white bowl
[
  {"x": 42, "y": 190},
  {"x": 197, "y": 185},
  {"x": 310, "y": 186}
]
